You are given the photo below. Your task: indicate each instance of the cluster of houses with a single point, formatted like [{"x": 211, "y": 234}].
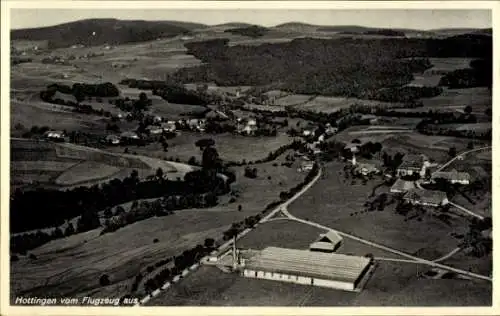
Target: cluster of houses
[{"x": 418, "y": 166}]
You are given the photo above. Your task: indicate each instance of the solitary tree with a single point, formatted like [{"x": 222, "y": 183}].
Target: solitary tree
[
  {"x": 452, "y": 152},
  {"x": 159, "y": 173},
  {"x": 468, "y": 109}
]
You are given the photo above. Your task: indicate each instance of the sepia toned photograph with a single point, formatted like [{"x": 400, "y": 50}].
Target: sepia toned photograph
[{"x": 248, "y": 157}]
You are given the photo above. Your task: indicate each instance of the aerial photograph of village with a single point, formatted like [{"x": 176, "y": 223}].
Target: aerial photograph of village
[{"x": 292, "y": 158}]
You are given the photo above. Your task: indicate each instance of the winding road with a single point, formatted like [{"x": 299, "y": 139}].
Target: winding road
[
  {"x": 283, "y": 209},
  {"x": 461, "y": 155}
]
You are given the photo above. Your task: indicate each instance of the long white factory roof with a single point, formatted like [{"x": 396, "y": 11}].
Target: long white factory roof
[{"x": 331, "y": 266}]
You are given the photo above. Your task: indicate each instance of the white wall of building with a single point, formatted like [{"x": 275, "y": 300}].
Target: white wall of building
[{"x": 298, "y": 279}]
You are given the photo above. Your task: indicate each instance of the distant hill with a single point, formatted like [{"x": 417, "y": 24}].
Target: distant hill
[
  {"x": 297, "y": 27},
  {"x": 251, "y": 31},
  {"x": 107, "y": 31},
  {"x": 233, "y": 25}
]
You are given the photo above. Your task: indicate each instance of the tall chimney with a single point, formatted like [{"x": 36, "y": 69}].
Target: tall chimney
[{"x": 235, "y": 261}]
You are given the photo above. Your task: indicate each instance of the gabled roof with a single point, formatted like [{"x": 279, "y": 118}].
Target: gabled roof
[
  {"x": 310, "y": 264},
  {"x": 402, "y": 185},
  {"x": 451, "y": 175},
  {"x": 428, "y": 196},
  {"x": 330, "y": 237},
  {"x": 320, "y": 245}
]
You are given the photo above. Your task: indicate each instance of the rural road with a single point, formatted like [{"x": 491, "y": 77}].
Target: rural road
[
  {"x": 418, "y": 182},
  {"x": 388, "y": 249},
  {"x": 465, "y": 210},
  {"x": 224, "y": 247},
  {"x": 461, "y": 155}
]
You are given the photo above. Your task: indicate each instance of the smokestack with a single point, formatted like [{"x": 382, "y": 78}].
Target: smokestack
[{"x": 234, "y": 253}]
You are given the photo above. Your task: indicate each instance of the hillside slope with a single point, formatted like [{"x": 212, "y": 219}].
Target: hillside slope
[{"x": 92, "y": 32}]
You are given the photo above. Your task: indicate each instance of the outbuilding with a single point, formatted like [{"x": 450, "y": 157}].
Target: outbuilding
[
  {"x": 426, "y": 197},
  {"x": 328, "y": 242}
]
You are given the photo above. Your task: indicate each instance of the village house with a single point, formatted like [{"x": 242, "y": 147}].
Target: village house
[
  {"x": 216, "y": 115},
  {"x": 452, "y": 176},
  {"x": 328, "y": 242},
  {"x": 426, "y": 197},
  {"x": 157, "y": 119},
  {"x": 55, "y": 135},
  {"x": 413, "y": 165},
  {"x": 127, "y": 136},
  {"x": 306, "y": 166},
  {"x": 168, "y": 126},
  {"x": 366, "y": 169},
  {"x": 154, "y": 130},
  {"x": 331, "y": 130},
  {"x": 247, "y": 126},
  {"x": 112, "y": 139}
]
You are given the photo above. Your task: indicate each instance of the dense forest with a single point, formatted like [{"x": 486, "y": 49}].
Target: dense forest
[
  {"x": 344, "y": 67},
  {"x": 250, "y": 31},
  {"x": 478, "y": 75}
]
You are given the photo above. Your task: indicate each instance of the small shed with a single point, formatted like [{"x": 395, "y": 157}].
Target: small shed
[{"x": 328, "y": 242}]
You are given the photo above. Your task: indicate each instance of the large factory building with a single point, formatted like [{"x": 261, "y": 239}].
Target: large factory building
[{"x": 330, "y": 270}]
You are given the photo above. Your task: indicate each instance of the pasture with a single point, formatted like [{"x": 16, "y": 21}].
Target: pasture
[
  {"x": 478, "y": 98},
  {"x": 442, "y": 66},
  {"x": 400, "y": 140},
  {"x": 74, "y": 264},
  {"x": 68, "y": 165},
  {"x": 230, "y": 147},
  {"x": 328, "y": 105},
  {"x": 425, "y": 80},
  {"x": 44, "y": 114},
  {"x": 392, "y": 284},
  {"x": 293, "y": 99},
  {"x": 338, "y": 204},
  {"x": 85, "y": 172}
]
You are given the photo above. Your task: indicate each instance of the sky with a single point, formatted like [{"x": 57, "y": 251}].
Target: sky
[{"x": 387, "y": 18}]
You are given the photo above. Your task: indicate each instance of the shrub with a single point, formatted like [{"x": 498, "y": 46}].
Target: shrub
[
  {"x": 104, "y": 280},
  {"x": 32, "y": 256},
  {"x": 155, "y": 240}
]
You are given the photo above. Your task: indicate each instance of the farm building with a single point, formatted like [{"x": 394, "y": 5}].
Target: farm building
[
  {"x": 426, "y": 197},
  {"x": 330, "y": 270},
  {"x": 412, "y": 164},
  {"x": 154, "y": 130},
  {"x": 328, "y": 242},
  {"x": 54, "y": 135},
  {"x": 366, "y": 169},
  {"x": 169, "y": 126},
  {"x": 129, "y": 136},
  {"x": 307, "y": 166},
  {"x": 216, "y": 115},
  {"x": 402, "y": 186},
  {"x": 452, "y": 176},
  {"x": 112, "y": 139}
]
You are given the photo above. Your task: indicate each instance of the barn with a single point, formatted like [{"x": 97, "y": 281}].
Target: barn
[
  {"x": 328, "y": 242},
  {"x": 329, "y": 270},
  {"x": 402, "y": 186}
]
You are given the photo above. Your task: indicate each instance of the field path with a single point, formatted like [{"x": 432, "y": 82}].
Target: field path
[
  {"x": 461, "y": 156},
  {"x": 394, "y": 251}
]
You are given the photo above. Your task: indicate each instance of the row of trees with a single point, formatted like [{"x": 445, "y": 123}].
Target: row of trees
[
  {"x": 82, "y": 90},
  {"x": 181, "y": 262},
  {"x": 71, "y": 203}
]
